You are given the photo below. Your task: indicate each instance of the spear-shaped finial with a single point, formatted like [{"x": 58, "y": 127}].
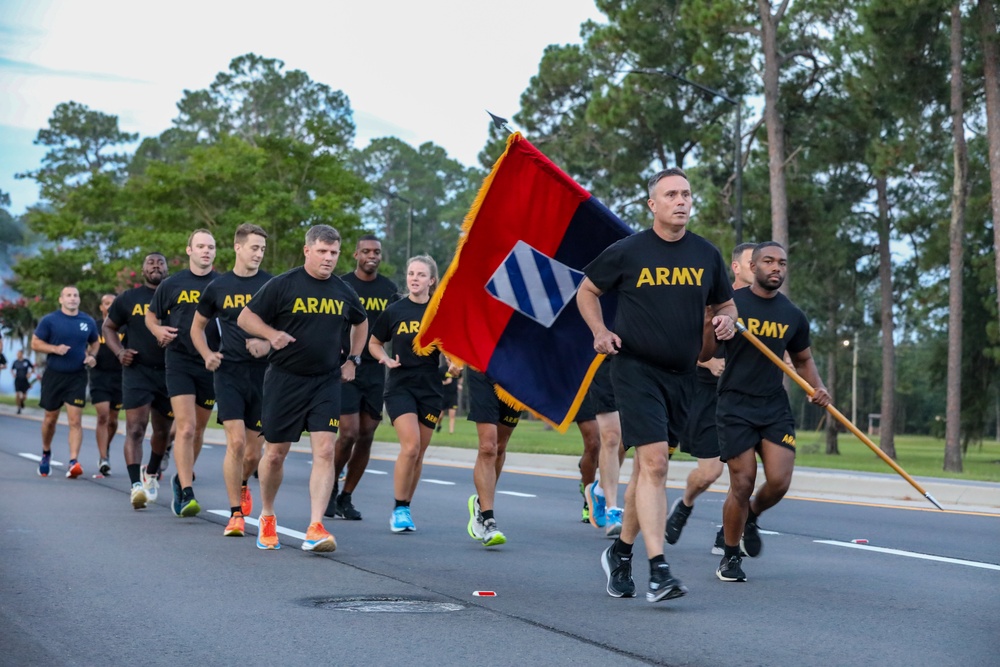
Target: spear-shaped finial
[{"x": 499, "y": 122}]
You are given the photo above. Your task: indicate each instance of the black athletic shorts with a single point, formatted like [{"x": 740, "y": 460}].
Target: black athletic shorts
[
  {"x": 485, "y": 407},
  {"x": 21, "y": 385},
  {"x": 419, "y": 395},
  {"x": 586, "y": 412},
  {"x": 188, "y": 376},
  {"x": 365, "y": 391},
  {"x": 145, "y": 385},
  {"x": 64, "y": 388},
  {"x": 745, "y": 420},
  {"x": 652, "y": 403},
  {"x": 239, "y": 393},
  {"x": 297, "y": 403},
  {"x": 701, "y": 438},
  {"x": 601, "y": 392},
  {"x": 106, "y": 387}
]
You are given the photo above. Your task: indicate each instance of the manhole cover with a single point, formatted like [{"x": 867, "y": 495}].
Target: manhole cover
[{"x": 386, "y": 605}]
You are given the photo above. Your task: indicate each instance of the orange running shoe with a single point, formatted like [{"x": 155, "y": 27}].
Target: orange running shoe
[
  {"x": 246, "y": 501},
  {"x": 236, "y": 527},
  {"x": 75, "y": 470},
  {"x": 267, "y": 533},
  {"x": 318, "y": 539}
]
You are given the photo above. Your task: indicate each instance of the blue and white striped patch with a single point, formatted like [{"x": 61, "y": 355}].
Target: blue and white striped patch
[{"x": 533, "y": 284}]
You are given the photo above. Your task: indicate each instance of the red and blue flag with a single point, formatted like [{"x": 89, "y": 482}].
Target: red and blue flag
[{"x": 507, "y": 304}]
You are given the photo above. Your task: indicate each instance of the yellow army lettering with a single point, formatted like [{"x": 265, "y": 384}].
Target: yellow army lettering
[
  {"x": 140, "y": 309},
  {"x": 236, "y": 300},
  {"x": 189, "y": 296},
  {"x": 789, "y": 440},
  {"x": 413, "y": 326},
  {"x": 765, "y": 328},
  {"x": 100, "y": 337},
  {"x": 375, "y": 303},
  {"x": 314, "y": 306},
  {"x": 335, "y": 423},
  {"x": 432, "y": 418},
  {"x": 665, "y": 275}
]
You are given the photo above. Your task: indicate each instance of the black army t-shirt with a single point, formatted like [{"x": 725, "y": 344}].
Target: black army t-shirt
[
  {"x": 399, "y": 325},
  {"x": 225, "y": 298},
  {"x": 106, "y": 359},
  {"x": 128, "y": 311},
  {"x": 174, "y": 304},
  {"x": 313, "y": 312},
  {"x": 663, "y": 288},
  {"x": 780, "y": 325},
  {"x": 375, "y": 295}
]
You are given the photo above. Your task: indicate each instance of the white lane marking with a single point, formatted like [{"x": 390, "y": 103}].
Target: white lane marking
[
  {"x": 438, "y": 481},
  {"x": 376, "y": 472},
  {"x": 253, "y": 522},
  {"x": 911, "y": 554},
  {"x": 519, "y": 495},
  {"x": 759, "y": 530},
  {"x": 37, "y": 458},
  {"x": 204, "y": 446}
]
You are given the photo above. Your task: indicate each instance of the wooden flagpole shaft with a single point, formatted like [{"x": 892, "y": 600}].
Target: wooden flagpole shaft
[{"x": 799, "y": 380}]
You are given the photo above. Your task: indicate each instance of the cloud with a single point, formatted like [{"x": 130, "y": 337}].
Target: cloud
[{"x": 31, "y": 69}]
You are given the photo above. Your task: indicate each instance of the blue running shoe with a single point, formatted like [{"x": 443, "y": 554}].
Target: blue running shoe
[
  {"x": 177, "y": 503},
  {"x": 44, "y": 466},
  {"x": 614, "y": 523},
  {"x": 189, "y": 508},
  {"x": 401, "y": 521},
  {"x": 598, "y": 509}
]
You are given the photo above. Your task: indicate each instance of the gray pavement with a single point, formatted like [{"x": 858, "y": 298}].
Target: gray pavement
[{"x": 814, "y": 483}]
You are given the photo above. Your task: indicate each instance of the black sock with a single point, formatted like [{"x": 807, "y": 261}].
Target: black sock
[
  {"x": 751, "y": 517},
  {"x": 402, "y": 503},
  {"x": 244, "y": 482},
  {"x": 621, "y": 548},
  {"x": 655, "y": 562},
  {"x": 732, "y": 551},
  {"x": 46, "y": 453},
  {"x": 187, "y": 493},
  {"x": 486, "y": 514},
  {"x": 233, "y": 511},
  {"x": 153, "y": 466},
  {"x": 134, "y": 474},
  {"x": 683, "y": 507},
  {"x": 346, "y": 497}
]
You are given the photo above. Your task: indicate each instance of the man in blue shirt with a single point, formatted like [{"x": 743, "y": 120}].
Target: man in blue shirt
[{"x": 70, "y": 340}]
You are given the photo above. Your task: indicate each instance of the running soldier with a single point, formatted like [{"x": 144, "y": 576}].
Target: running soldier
[
  {"x": 664, "y": 277},
  {"x": 701, "y": 438},
  {"x": 754, "y": 416},
  {"x": 192, "y": 391},
  {"x": 302, "y": 313},
  {"x": 69, "y": 338},
  {"x": 22, "y": 369},
  {"x": 144, "y": 383},
  {"x": 495, "y": 422},
  {"x": 361, "y": 398},
  {"x": 238, "y": 366},
  {"x": 105, "y": 391}
]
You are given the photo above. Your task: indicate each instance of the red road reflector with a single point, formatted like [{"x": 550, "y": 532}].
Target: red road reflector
[
  {"x": 860, "y": 540},
  {"x": 484, "y": 594}
]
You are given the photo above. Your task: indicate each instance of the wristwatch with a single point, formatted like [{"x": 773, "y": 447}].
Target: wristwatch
[{"x": 356, "y": 359}]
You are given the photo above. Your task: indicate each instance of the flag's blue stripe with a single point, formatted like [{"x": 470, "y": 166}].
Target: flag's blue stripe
[
  {"x": 549, "y": 281},
  {"x": 517, "y": 284},
  {"x": 491, "y": 288}
]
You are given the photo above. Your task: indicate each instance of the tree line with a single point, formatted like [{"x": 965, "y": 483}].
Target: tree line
[{"x": 868, "y": 135}]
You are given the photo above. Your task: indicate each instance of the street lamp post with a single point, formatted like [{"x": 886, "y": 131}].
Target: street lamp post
[
  {"x": 854, "y": 382},
  {"x": 738, "y": 140}
]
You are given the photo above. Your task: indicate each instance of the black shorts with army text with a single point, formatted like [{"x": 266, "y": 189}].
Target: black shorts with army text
[
  {"x": 296, "y": 403},
  {"x": 60, "y": 389},
  {"x": 239, "y": 393},
  {"x": 485, "y": 407},
  {"x": 106, "y": 387},
  {"x": 146, "y": 385},
  {"x": 364, "y": 392},
  {"x": 744, "y": 421},
  {"x": 188, "y": 376}
]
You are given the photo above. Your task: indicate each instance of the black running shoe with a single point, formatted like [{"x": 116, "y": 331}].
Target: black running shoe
[
  {"x": 678, "y": 518},
  {"x": 730, "y": 570},
  {"x": 346, "y": 510},
  {"x": 751, "y": 543},
  {"x": 663, "y": 585},
  {"x": 619, "y": 570},
  {"x": 331, "y": 505}
]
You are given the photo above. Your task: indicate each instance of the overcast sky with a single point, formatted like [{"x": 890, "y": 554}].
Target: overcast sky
[{"x": 420, "y": 71}]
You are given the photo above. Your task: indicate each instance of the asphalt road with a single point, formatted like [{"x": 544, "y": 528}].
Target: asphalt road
[{"x": 86, "y": 580}]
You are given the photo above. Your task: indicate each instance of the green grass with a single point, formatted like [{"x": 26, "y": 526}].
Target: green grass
[{"x": 919, "y": 455}]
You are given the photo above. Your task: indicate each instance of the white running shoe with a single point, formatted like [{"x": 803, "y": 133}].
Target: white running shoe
[
  {"x": 138, "y": 496},
  {"x": 150, "y": 485}
]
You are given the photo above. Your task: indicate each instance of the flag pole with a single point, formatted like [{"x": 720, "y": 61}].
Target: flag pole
[
  {"x": 834, "y": 412},
  {"x": 500, "y": 123}
]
